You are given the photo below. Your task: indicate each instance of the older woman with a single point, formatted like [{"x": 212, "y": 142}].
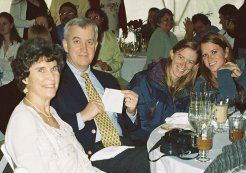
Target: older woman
[
  {"x": 219, "y": 68},
  {"x": 36, "y": 138},
  {"x": 162, "y": 39},
  {"x": 9, "y": 43},
  {"x": 164, "y": 89}
]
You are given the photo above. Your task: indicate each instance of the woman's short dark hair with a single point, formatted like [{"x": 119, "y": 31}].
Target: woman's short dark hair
[
  {"x": 102, "y": 14},
  {"x": 30, "y": 52},
  {"x": 162, "y": 13}
]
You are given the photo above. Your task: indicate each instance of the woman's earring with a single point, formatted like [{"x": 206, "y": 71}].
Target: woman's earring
[{"x": 25, "y": 91}]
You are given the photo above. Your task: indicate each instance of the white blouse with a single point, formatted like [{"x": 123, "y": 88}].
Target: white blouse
[
  {"x": 5, "y": 62},
  {"x": 41, "y": 148}
]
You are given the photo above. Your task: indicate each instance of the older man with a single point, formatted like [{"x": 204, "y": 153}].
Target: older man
[{"x": 78, "y": 102}]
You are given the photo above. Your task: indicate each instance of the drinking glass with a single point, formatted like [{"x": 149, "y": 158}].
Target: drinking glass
[
  {"x": 204, "y": 142},
  {"x": 240, "y": 103},
  {"x": 200, "y": 111},
  {"x": 236, "y": 128},
  {"x": 220, "y": 113},
  {"x": 195, "y": 109}
]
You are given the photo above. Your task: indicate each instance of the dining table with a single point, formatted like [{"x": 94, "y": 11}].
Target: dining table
[
  {"x": 173, "y": 164},
  {"x": 132, "y": 65}
]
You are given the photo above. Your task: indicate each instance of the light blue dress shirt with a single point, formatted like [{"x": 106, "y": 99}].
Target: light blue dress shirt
[{"x": 99, "y": 88}]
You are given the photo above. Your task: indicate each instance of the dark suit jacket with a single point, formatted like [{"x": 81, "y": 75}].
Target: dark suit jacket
[
  {"x": 10, "y": 96},
  {"x": 70, "y": 99}
]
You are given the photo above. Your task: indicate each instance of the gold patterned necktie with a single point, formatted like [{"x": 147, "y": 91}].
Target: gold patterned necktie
[{"x": 107, "y": 130}]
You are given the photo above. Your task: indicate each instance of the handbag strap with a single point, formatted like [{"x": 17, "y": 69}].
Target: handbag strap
[{"x": 158, "y": 143}]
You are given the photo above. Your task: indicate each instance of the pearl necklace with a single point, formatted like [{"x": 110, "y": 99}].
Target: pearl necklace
[{"x": 38, "y": 110}]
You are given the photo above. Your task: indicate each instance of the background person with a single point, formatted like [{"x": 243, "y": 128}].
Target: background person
[
  {"x": 26, "y": 13},
  {"x": 240, "y": 37},
  {"x": 108, "y": 57},
  {"x": 78, "y": 102},
  {"x": 162, "y": 39},
  {"x": 67, "y": 12},
  {"x": 198, "y": 26},
  {"x": 9, "y": 44},
  {"x": 148, "y": 28},
  {"x": 81, "y": 5},
  {"x": 116, "y": 13},
  {"x": 36, "y": 138},
  {"x": 164, "y": 89},
  {"x": 227, "y": 15}
]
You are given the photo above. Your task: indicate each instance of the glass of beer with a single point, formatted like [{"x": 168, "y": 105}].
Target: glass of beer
[
  {"x": 236, "y": 128},
  {"x": 204, "y": 142}
]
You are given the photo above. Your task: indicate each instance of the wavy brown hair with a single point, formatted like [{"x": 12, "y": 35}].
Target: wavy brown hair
[
  {"x": 187, "y": 81},
  {"x": 219, "y": 40}
]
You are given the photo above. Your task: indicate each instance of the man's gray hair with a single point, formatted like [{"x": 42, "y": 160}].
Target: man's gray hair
[{"x": 81, "y": 22}]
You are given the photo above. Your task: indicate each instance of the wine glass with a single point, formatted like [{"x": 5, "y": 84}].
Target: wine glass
[
  {"x": 204, "y": 142},
  {"x": 240, "y": 103}
]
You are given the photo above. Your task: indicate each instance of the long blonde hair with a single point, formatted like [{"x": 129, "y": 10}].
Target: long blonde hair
[{"x": 186, "y": 81}]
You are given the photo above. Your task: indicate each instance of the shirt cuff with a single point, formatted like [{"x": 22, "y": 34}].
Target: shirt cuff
[
  {"x": 80, "y": 121},
  {"x": 132, "y": 117}
]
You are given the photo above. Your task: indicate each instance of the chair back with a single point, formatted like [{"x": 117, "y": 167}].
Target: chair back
[{"x": 7, "y": 156}]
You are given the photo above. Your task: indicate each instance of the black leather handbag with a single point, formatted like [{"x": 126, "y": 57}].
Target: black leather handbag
[{"x": 176, "y": 142}]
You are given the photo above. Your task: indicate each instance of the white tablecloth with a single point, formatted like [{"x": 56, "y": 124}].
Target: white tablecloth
[
  {"x": 171, "y": 164},
  {"x": 131, "y": 66}
]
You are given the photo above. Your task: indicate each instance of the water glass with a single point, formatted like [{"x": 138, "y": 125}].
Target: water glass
[{"x": 236, "y": 128}]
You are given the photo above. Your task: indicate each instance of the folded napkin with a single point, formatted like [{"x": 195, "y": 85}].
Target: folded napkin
[
  {"x": 178, "y": 118},
  {"x": 108, "y": 152}
]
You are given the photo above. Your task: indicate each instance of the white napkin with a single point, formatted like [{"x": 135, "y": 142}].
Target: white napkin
[
  {"x": 113, "y": 100},
  {"x": 177, "y": 120},
  {"x": 108, "y": 152}
]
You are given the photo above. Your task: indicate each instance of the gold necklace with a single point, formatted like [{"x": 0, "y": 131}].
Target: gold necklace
[{"x": 38, "y": 110}]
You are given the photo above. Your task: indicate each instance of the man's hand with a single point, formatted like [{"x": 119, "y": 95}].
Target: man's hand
[
  {"x": 131, "y": 100},
  {"x": 93, "y": 108}
]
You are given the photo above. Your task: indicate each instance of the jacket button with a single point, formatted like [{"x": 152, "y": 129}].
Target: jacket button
[
  {"x": 89, "y": 152},
  {"x": 93, "y": 131}
]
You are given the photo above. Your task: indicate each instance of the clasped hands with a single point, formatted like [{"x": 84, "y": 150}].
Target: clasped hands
[{"x": 96, "y": 107}]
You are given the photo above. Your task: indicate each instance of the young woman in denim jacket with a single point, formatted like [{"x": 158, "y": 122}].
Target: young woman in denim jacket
[
  {"x": 218, "y": 67},
  {"x": 164, "y": 89}
]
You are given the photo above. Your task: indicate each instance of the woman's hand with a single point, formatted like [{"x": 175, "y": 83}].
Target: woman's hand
[
  {"x": 131, "y": 101},
  {"x": 235, "y": 70},
  {"x": 103, "y": 65}
]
